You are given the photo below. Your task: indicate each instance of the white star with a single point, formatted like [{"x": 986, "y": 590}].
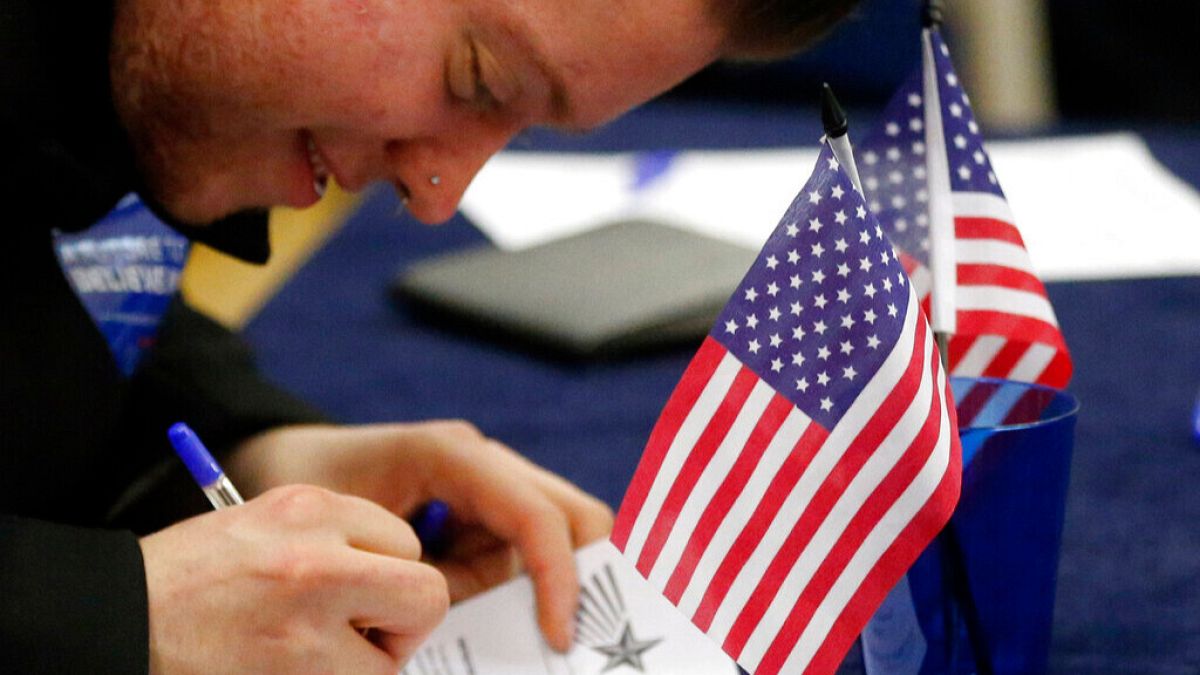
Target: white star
[
  {"x": 901, "y": 224},
  {"x": 918, "y": 148},
  {"x": 916, "y": 124},
  {"x": 846, "y": 347},
  {"x": 823, "y": 378},
  {"x": 873, "y": 342},
  {"x": 869, "y": 290},
  {"x": 992, "y": 178},
  {"x": 772, "y": 262},
  {"x": 751, "y": 294},
  {"x": 752, "y": 322},
  {"x": 883, "y": 257},
  {"x": 900, "y": 278},
  {"x": 964, "y": 172},
  {"x": 774, "y": 314},
  {"x": 849, "y": 373},
  {"x": 892, "y": 311},
  {"x": 776, "y": 340},
  {"x": 818, "y": 276},
  {"x": 796, "y": 308},
  {"x": 893, "y": 154},
  {"x": 922, "y": 195},
  {"x": 754, "y": 346},
  {"x": 919, "y": 172},
  {"x": 892, "y": 129},
  {"x": 973, "y": 127},
  {"x": 841, "y": 245},
  {"x": 872, "y": 183},
  {"x": 776, "y": 365},
  {"x": 979, "y": 157},
  {"x": 847, "y": 321},
  {"x": 792, "y": 230},
  {"x": 802, "y": 384},
  {"x": 840, "y": 217},
  {"x": 798, "y": 333},
  {"x": 819, "y": 327},
  {"x": 826, "y": 404},
  {"x": 878, "y": 231},
  {"x": 817, "y": 249},
  {"x": 870, "y": 158},
  {"x": 899, "y": 202},
  {"x": 914, "y": 100},
  {"x": 798, "y": 359},
  {"x": 772, "y": 289},
  {"x": 833, "y": 164},
  {"x": 887, "y": 285},
  {"x": 820, "y": 301},
  {"x": 814, "y": 197},
  {"x": 960, "y": 142},
  {"x": 823, "y": 353},
  {"x": 795, "y": 282},
  {"x": 843, "y": 270},
  {"x": 869, "y": 315},
  {"x": 896, "y": 177},
  {"x": 861, "y": 212},
  {"x": 952, "y": 79},
  {"x": 844, "y": 296},
  {"x": 945, "y": 50},
  {"x": 837, "y": 192},
  {"x": 793, "y": 256},
  {"x": 956, "y": 110},
  {"x": 731, "y": 326},
  {"x": 864, "y": 237},
  {"x": 864, "y": 264},
  {"x": 815, "y": 225}
]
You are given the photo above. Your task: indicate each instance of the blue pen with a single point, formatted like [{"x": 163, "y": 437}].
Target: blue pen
[
  {"x": 203, "y": 467},
  {"x": 430, "y": 525},
  {"x": 1196, "y": 421}
]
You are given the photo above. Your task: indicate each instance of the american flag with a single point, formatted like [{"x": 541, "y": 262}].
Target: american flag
[
  {"x": 808, "y": 454},
  {"x": 1006, "y": 327}
]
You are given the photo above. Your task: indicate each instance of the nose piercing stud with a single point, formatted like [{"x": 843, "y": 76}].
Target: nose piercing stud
[{"x": 435, "y": 180}]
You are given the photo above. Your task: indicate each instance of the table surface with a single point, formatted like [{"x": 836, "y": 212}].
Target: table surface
[{"x": 1128, "y": 596}]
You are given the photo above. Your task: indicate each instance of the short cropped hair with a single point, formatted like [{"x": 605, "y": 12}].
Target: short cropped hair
[{"x": 771, "y": 29}]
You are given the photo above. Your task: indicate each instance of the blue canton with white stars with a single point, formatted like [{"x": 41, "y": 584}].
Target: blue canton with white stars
[
  {"x": 823, "y": 304},
  {"x": 891, "y": 160}
]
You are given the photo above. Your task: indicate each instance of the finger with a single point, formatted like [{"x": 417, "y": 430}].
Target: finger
[
  {"x": 590, "y": 519},
  {"x": 466, "y": 577},
  {"x": 376, "y": 654},
  {"x": 400, "y": 597}
]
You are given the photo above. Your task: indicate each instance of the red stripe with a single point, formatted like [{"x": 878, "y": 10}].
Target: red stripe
[
  {"x": 726, "y": 494},
  {"x": 1058, "y": 373},
  {"x": 885, "y": 495},
  {"x": 860, "y": 449},
  {"x": 930, "y": 520},
  {"x": 960, "y": 344},
  {"x": 693, "y": 466},
  {"x": 975, "y": 227},
  {"x": 1027, "y": 329},
  {"x": 1006, "y": 358},
  {"x": 970, "y": 405},
  {"x": 694, "y": 379},
  {"x": 781, "y": 486},
  {"x": 999, "y": 275}
]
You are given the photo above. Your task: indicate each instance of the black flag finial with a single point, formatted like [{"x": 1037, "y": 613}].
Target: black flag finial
[{"x": 833, "y": 117}]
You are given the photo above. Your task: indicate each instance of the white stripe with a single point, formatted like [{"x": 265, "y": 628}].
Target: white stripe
[
  {"x": 979, "y": 356},
  {"x": 993, "y": 252},
  {"x": 777, "y": 452},
  {"x": 881, "y": 538},
  {"x": 878, "y": 466},
  {"x": 922, "y": 281},
  {"x": 982, "y": 205},
  {"x": 1033, "y": 362},
  {"x": 689, "y": 432},
  {"x": 826, "y": 458},
  {"x": 710, "y": 479},
  {"x": 1007, "y": 300}
]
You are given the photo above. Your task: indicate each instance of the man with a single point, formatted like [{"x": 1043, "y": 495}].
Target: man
[{"x": 214, "y": 110}]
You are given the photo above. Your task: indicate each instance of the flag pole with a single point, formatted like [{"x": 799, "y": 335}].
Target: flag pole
[
  {"x": 837, "y": 132},
  {"x": 942, "y": 263}
]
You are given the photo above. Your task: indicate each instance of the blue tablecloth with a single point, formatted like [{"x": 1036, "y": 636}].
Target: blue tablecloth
[{"x": 1129, "y": 587}]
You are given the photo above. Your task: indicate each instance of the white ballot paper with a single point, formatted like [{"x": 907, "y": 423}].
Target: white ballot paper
[{"x": 623, "y": 626}]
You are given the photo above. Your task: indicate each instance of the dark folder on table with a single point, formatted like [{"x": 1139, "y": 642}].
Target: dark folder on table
[{"x": 622, "y": 288}]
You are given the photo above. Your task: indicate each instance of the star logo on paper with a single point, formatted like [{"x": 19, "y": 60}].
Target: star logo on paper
[
  {"x": 603, "y": 625},
  {"x": 627, "y": 651}
]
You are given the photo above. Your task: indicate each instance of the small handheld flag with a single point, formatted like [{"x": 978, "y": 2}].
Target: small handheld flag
[{"x": 808, "y": 454}]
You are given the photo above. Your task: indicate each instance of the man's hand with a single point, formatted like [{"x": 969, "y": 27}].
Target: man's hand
[
  {"x": 506, "y": 511},
  {"x": 290, "y": 582}
]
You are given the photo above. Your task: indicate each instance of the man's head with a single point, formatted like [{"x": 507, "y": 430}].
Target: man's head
[{"x": 234, "y": 104}]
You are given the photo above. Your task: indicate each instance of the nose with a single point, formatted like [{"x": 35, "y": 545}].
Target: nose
[{"x": 434, "y": 172}]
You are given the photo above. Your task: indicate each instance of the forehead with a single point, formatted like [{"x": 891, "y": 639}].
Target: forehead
[{"x": 608, "y": 55}]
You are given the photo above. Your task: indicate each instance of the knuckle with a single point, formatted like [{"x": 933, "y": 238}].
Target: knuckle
[
  {"x": 425, "y": 591},
  {"x": 296, "y": 567},
  {"x": 300, "y": 505}
]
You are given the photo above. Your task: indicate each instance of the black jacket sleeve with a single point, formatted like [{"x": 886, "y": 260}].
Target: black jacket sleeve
[{"x": 73, "y": 600}]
